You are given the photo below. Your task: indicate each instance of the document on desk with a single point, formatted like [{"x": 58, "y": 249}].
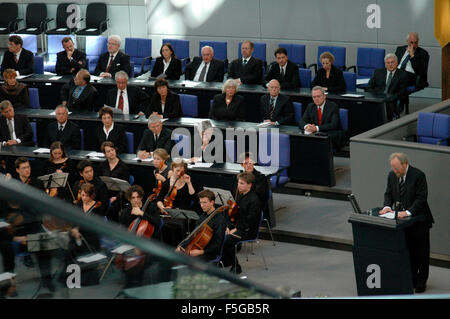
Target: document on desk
[
  {"x": 96, "y": 78},
  {"x": 149, "y": 159},
  {"x": 92, "y": 258},
  {"x": 388, "y": 215},
  {"x": 32, "y": 29},
  {"x": 264, "y": 124},
  {"x": 139, "y": 81},
  {"x": 190, "y": 83},
  {"x": 362, "y": 81},
  {"x": 3, "y": 224},
  {"x": 42, "y": 150},
  {"x": 122, "y": 249},
  {"x": 23, "y": 76},
  {"x": 200, "y": 165},
  {"x": 61, "y": 29},
  {"x": 352, "y": 95},
  {"x": 95, "y": 154},
  {"x": 7, "y": 276},
  {"x": 55, "y": 78},
  {"x": 54, "y": 113}
]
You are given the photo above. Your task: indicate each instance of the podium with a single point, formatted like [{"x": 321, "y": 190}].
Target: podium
[{"x": 380, "y": 254}]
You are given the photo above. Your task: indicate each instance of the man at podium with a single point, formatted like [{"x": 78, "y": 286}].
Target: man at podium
[{"x": 407, "y": 186}]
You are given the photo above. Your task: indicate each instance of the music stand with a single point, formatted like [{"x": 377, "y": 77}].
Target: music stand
[
  {"x": 222, "y": 194},
  {"x": 116, "y": 184},
  {"x": 177, "y": 213},
  {"x": 54, "y": 180}
]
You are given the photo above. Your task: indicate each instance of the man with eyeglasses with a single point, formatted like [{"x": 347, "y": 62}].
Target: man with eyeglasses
[
  {"x": 114, "y": 60},
  {"x": 155, "y": 137}
]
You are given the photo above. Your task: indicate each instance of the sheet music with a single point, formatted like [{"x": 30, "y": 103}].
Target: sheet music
[
  {"x": 388, "y": 215},
  {"x": 92, "y": 258},
  {"x": 3, "y": 224},
  {"x": 7, "y": 276},
  {"x": 42, "y": 150},
  {"x": 200, "y": 165},
  {"x": 122, "y": 249}
]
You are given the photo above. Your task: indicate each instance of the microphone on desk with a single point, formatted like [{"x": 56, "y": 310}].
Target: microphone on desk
[{"x": 397, "y": 204}]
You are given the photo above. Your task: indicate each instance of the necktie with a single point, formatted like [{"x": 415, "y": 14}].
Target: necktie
[
  {"x": 58, "y": 134},
  {"x": 156, "y": 138},
  {"x": 15, "y": 58},
  {"x": 272, "y": 108},
  {"x": 388, "y": 82},
  {"x": 110, "y": 63},
  {"x": 405, "y": 61},
  {"x": 402, "y": 186},
  {"x": 120, "y": 105},
  {"x": 244, "y": 62},
  {"x": 11, "y": 129},
  {"x": 319, "y": 115},
  {"x": 282, "y": 72},
  {"x": 202, "y": 74},
  {"x": 76, "y": 92}
]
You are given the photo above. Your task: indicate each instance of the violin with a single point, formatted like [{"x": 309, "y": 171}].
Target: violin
[
  {"x": 233, "y": 208},
  {"x": 14, "y": 220},
  {"x": 95, "y": 206},
  {"x": 202, "y": 234},
  {"x": 157, "y": 189},
  {"x": 53, "y": 192},
  {"x": 76, "y": 201},
  {"x": 172, "y": 194}
]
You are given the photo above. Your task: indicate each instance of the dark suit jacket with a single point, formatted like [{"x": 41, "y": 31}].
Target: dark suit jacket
[
  {"x": 117, "y": 136},
  {"x": 20, "y": 100},
  {"x": 291, "y": 79},
  {"x": 330, "y": 117},
  {"x": 22, "y": 128},
  {"x": 70, "y": 136},
  {"x": 233, "y": 112},
  {"x": 25, "y": 65},
  {"x": 335, "y": 83},
  {"x": 397, "y": 89},
  {"x": 87, "y": 101},
  {"x": 148, "y": 141},
  {"x": 173, "y": 72},
  {"x": 252, "y": 74},
  {"x": 415, "y": 197},
  {"x": 64, "y": 65},
  {"x": 121, "y": 62},
  {"x": 172, "y": 108},
  {"x": 138, "y": 100},
  {"x": 283, "y": 112},
  {"x": 215, "y": 71},
  {"x": 419, "y": 63}
]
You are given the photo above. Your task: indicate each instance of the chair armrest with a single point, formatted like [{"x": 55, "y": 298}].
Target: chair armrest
[
  {"x": 13, "y": 25},
  {"x": 143, "y": 62},
  {"x": 102, "y": 24},
  {"x": 315, "y": 67},
  {"x": 442, "y": 140},
  {"x": 410, "y": 138},
  {"x": 351, "y": 67},
  {"x": 44, "y": 24}
]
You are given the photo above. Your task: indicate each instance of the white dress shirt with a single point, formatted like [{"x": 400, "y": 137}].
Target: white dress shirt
[
  {"x": 199, "y": 70},
  {"x": 110, "y": 129},
  {"x": 166, "y": 64},
  {"x": 408, "y": 67},
  {"x": 126, "y": 107},
  {"x": 13, "y": 137}
]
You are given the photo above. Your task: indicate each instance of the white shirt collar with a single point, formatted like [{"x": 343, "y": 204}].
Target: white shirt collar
[{"x": 107, "y": 133}]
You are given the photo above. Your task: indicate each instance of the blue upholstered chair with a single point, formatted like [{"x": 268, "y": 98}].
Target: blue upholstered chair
[
  {"x": 305, "y": 77},
  {"x": 130, "y": 142},
  {"x": 296, "y": 53},
  {"x": 54, "y": 46},
  {"x": 189, "y": 105},
  {"x": 339, "y": 56},
  {"x": 34, "y": 98},
  {"x": 140, "y": 51},
  {"x": 281, "y": 160},
  {"x": 350, "y": 81},
  {"x": 95, "y": 46},
  {"x": 433, "y": 128},
  {"x": 367, "y": 60}
]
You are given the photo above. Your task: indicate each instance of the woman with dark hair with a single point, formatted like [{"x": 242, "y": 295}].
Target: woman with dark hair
[
  {"x": 329, "y": 77},
  {"x": 164, "y": 103},
  {"x": 167, "y": 65},
  {"x": 13, "y": 91},
  {"x": 110, "y": 131}
]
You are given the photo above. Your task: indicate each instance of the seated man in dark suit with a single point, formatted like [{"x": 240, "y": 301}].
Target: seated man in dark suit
[
  {"x": 114, "y": 60},
  {"x": 70, "y": 60},
  {"x": 155, "y": 137},
  {"x": 414, "y": 60},
  {"x": 78, "y": 94},
  {"x": 128, "y": 99},
  {"x": 283, "y": 70},
  {"x": 205, "y": 68},
  {"x": 14, "y": 128},
  {"x": 323, "y": 116},
  {"x": 391, "y": 81},
  {"x": 63, "y": 130},
  {"x": 247, "y": 70},
  {"x": 276, "y": 108},
  {"x": 18, "y": 58}
]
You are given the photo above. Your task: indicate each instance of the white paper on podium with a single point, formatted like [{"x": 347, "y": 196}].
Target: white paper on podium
[
  {"x": 95, "y": 154},
  {"x": 2, "y": 29},
  {"x": 190, "y": 83},
  {"x": 32, "y": 29},
  {"x": 54, "y": 113},
  {"x": 352, "y": 95},
  {"x": 362, "y": 81},
  {"x": 22, "y": 76},
  {"x": 388, "y": 215},
  {"x": 3, "y": 224},
  {"x": 55, "y": 78},
  {"x": 264, "y": 124},
  {"x": 7, "y": 276},
  {"x": 200, "y": 165},
  {"x": 42, "y": 150},
  {"x": 96, "y": 78},
  {"x": 92, "y": 258},
  {"x": 139, "y": 81},
  {"x": 91, "y": 29},
  {"x": 122, "y": 249}
]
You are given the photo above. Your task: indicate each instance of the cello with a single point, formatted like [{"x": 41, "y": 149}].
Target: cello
[{"x": 201, "y": 235}]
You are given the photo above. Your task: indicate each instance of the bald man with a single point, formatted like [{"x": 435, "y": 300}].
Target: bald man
[
  {"x": 79, "y": 95},
  {"x": 205, "y": 68},
  {"x": 276, "y": 108},
  {"x": 414, "y": 60}
]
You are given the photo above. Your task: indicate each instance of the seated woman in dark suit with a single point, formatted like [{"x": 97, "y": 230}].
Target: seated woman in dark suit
[
  {"x": 164, "y": 103},
  {"x": 167, "y": 65},
  {"x": 13, "y": 91},
  {"x": 329, "y": 77},
  {"x": 228, "y": 106},
  {"x": 110, "y": 131}
]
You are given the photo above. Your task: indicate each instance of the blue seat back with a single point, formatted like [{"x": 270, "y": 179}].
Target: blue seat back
[
  {"x": 180, "y": 140},
  {"x": 130, "y": 142},
  {"x": 297, "y": 111},
  {"x": 220, "y": 49},
  {"x": 95, "y": 46},
  {"x": 259, "y": 52},
  {"x": 267, "y": 149},
  {"x": 189, "y": 105},
  {"x": 296, "y": 53},
  {"x": 29, "y": 42},
  {"x": 343, "y": 114},
  {"x": 34, "y": 128},
  {"x": 39, "y": 65},
  {"x": 338, "y": 52},
  {"x": 138, "y": 49},
  {"x": 350, "y": 81},
  {"x": 441, "y": 127},
  {"x": 425, "y": 122},
  {"x": 82, "y": 138},
  {"x": 34, "y": 98},
  {"x": 180, "y": 47},
  {"x": 305, "y": 77},
  {"x": 369, "y": 59}
]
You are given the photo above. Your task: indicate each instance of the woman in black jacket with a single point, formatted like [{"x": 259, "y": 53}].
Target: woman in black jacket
[
  {"x": 110, "y": 131},
  {"x": 167, "y": 64},
  {"x": 228, "y": 106},
  {"x": 164, "y": 103},
  {"x": 329, "y": 77}
]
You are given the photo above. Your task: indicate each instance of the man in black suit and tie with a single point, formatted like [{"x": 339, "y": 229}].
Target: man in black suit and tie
[
  {"x": 414, "y": 61},
  {"x": 78, "y": 94},
  {"x": 323, "y": 116},
  {"x": 113, "y": 61},
  {"x": 63, "y": 130},
  {"x": 128, "y": 99},
  {"x": 283, "y": 70},
  {"x": 155, "y": 137},
  {"x": 247, "y": 70},
  {"x": 391, "y": 81},
  {"x": 205, "y": 68},
  {"x": 408, "y": 186},
  {"x": 276, "y": 108},
  {"x": 14, "y": 128},
  {"x": 18, "y": 58},
  {"x": 70, "y": 60}
]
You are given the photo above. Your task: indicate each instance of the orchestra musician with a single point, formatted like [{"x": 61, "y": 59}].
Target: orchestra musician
[{"x": 161, "y": 172}]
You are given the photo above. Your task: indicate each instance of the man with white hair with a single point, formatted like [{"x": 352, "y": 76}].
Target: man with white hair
[
  {"x": 414, "y": 60},
  {"x": 114, "y": 60},
  {"x": 205, "y": 68},
  {"x": 391, "y": 81}
]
